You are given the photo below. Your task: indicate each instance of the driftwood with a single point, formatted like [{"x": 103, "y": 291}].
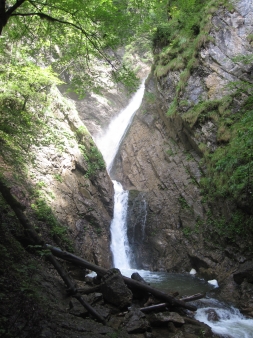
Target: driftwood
[
  {"x": 34, "y": 238},
  {"x": 130, "y": 282},
  {"x": 193, "y": 297},
  {"x": 162, "y": 306},
  {"x": 155, "y": 307},
  {"x": 146, "y": 309}
]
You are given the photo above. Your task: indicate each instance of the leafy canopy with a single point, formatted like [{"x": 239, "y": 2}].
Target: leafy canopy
[{"x": 68, "y": 35}]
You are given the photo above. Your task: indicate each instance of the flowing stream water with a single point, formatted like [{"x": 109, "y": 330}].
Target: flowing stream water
[{"x": 228, "y": 322}]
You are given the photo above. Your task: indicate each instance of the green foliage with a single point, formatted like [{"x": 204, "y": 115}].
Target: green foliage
[
  {"x": 93, "y": 158},
  {"x": 58, "y": 177},
  {"x": 81, "y": 132},
  {"x": 127, "y": 77},
  {"x": 95, "y": 161},
  {"x": 187, "y": 231},
  {"x": 71, "y": 37},
  {"x": 246, "y": 59},
  {"x": 45, "y": 214},
  {"x": 231, "y": 167},
  {"x": 24, "y": 98},
  {"x": 237, "y": 224},
  {"x": 177, "y": 42},
  {"x": 200, "y": 111},
  {"x": 183, "y": 203}
]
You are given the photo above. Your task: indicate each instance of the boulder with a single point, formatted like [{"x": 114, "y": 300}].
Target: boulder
[
  {"x": 212, "y": 315},
  {"x": 135, "y": 322},
  {"x": 114, "y": 289},
  {"x": 244, "y": 272},
  {"x": 157, "y": 319}
]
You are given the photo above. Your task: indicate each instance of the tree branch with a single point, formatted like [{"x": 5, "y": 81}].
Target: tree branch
[
  {"x": 13, "y": 8},
  {"x": 52, "y": 19}
]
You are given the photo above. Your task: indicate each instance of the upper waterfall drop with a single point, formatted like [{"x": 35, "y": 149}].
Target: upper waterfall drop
[{"x": 108, "y": 143}]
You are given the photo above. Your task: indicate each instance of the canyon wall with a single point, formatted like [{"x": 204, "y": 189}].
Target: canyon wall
[
  {"x": 160, "y": 160},
  {"x": 61, "y": 182}
]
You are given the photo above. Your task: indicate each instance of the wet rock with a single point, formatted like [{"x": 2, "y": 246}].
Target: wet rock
[
  {"x": 135, "y": 322},
  {"x": 77, "y": 272},
  {"x": 136, "y": 276},
  {"x": 76, "y": 309},
  {"x": 212, "y": 315},
  {"x": 157, "y": 319},
  {"x": 95, "y": 297},
  {"x": 148, "y": 335},
  {"x": 102, "y": 310},
  {"x": 114, "y": 289},
  {"x": 245, "y": 272}
]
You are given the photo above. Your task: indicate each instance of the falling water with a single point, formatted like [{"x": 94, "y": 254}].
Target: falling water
[
  {"x": 119, "y": 241},
  {"x": 109, "y": 144}
]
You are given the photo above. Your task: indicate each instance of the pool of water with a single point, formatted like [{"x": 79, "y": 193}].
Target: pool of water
[{"x": 185, "y": 284}]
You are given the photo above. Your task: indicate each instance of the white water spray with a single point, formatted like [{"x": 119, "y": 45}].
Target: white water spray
[
  {"x": 227, "y": 321},
  {"x": 109, "y": 144},
  {"x": 119, "y": 241}
]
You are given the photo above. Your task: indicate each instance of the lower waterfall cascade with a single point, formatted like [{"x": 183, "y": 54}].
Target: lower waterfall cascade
[
  {"x": 119, "y": 240},
  {"x": 230, "y": 322}
]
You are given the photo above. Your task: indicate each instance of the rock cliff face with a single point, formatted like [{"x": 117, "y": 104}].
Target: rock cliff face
[
  {"x": 65, "y": 180},
  {"x": 159, "y": 160}
]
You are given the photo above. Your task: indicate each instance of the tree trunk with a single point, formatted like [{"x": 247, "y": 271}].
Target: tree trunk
[{"x": 2, "y": 15}]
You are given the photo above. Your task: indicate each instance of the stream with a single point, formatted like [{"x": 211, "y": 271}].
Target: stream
[{"x": 225, "y": 320}]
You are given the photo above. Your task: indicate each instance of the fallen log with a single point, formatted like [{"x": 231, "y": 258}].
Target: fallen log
[
  {"x": 86, "y": 291},
  {"x": 130, "y": 282},
  {"x": 193, "y": 297},
  {"x": 71, "y": 288},
  {"x": 155, "y": 307},
  {"x": 90, "y": 309},
  {"x": 162, "y": 306}
]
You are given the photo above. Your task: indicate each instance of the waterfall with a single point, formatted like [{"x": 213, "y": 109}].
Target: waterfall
[
  {"x": 119, "y": 241},
  {"x": 109, "y": 143}
]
